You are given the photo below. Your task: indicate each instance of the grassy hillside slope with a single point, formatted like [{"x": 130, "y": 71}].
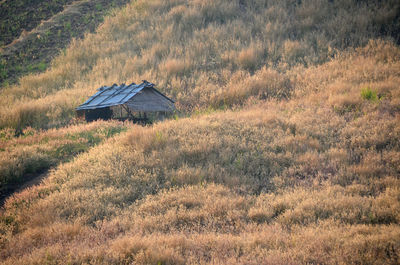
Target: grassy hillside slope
[
  {"x": 23, "y": 157},
  {"x": 25, "y": 15},
  {"x": 36, "y": 31},
  {"x": 287, "y": 150},
  {"x": 201, "y": 53},
  {"x": 314, "y": 179}
]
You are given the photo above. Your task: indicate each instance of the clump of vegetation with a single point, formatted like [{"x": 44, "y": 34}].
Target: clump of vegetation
[{"x": 369, "y": 94}]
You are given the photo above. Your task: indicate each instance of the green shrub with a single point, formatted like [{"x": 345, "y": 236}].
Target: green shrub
[{"x": 368, "y": 94}]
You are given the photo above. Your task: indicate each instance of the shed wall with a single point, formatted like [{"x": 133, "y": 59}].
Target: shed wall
[{"x": 149, "y": 100}]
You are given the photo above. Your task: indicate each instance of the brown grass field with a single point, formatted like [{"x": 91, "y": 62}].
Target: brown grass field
[
  {"x": 287, "y": 150},
  {"x": 37, "y": 151}
]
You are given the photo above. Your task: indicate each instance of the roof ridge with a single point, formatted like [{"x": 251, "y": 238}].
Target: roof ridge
[{"x": 117, "y": 94}]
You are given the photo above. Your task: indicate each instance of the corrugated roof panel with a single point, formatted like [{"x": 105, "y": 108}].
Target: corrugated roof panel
[
  {"x": 92, "y": 97},
  {"x": 97, "y": 100},
  {"x": 114, "y": 95},
  {"x": 108, "y": 96},
  {"x": 117, "y": 99},
  {"x": 108, "y": 92}
]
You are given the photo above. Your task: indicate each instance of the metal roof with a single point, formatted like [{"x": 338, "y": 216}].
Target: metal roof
[{"x": 108, "y": 96}]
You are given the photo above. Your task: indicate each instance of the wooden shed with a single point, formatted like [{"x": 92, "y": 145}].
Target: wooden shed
[{"x": 134, "y": 102}]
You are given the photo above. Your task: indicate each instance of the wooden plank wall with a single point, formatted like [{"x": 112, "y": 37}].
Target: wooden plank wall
[{"x": 149, "y": 100}]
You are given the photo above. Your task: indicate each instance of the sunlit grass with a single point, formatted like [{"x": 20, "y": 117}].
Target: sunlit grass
[
  {"x": 281, "y": 181},
  {"x": 286, "y": 150},
  {"x": 34, "y": 151},
  {"x": 186, "y": 47}
]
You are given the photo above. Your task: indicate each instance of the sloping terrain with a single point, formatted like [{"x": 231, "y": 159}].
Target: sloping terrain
[
  {"x": 286, "y": 150},
  {"x": 34, "y": 32},
  {"x": 201, "y": 53},
  {"x": 311, "y": 180},
  {"x": 25, "y": 157},
  {"x": 24, "y": 15}
]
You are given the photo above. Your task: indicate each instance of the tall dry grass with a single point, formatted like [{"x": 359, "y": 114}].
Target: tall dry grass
[
  {"x": 312, "y": 179},
  {"x": 35, "y": 151},
  {"x": 191, "y": 49}
]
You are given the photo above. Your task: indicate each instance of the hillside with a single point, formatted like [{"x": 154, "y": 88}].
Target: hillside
[
  {"x": 33, "y": 32},
  {"x": 201, "y": 53},
  {"x": 25, "y": 15},
  {"x": 309, "y": 180},
  {"x": 24, "y": 158},
  {"x": 286, "y": 150}
]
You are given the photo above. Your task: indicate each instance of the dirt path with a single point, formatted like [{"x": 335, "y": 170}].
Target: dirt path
[{"x": 30, "y": 181}]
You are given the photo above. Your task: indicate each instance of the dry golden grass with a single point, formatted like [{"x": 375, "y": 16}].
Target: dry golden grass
[
  {"x": 304, "y": 180},
  {"x": 250, "y": 58},
  {"x": 291, "y": 155},
  {"x": 175, "y": 67},
  {"x": 189, "y": 48},
  {"x": 34, "y": 151}
]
